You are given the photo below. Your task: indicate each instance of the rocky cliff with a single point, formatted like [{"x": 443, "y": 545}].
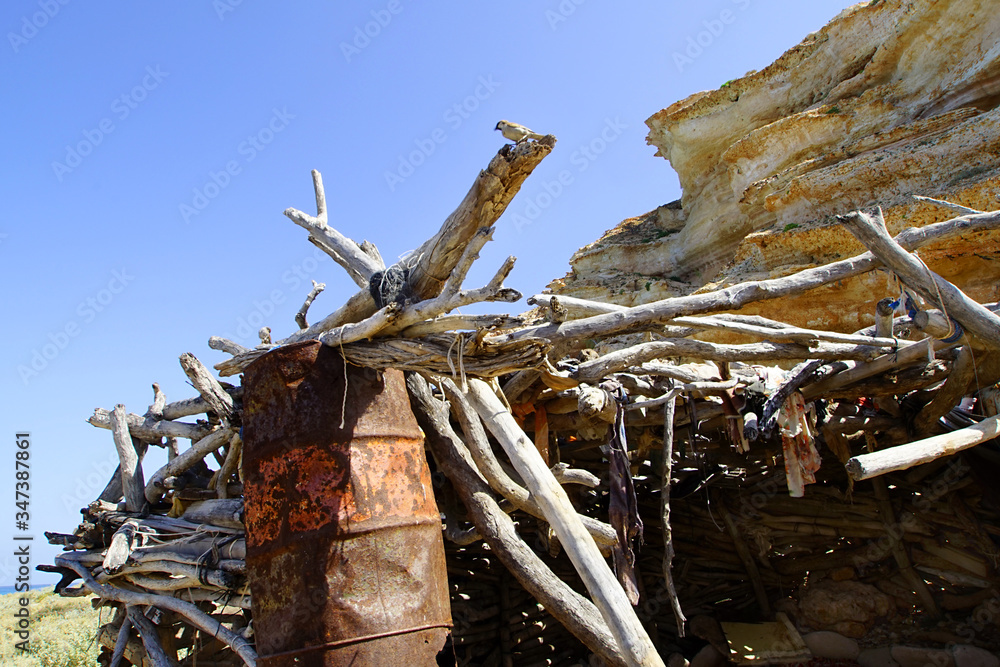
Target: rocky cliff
[{"x": 889, "y": 100}]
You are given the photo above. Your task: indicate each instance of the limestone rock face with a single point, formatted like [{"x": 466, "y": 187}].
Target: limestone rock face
[{"x": 891, "y": 98}]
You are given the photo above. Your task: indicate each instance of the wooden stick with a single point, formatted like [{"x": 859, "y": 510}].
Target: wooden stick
[
  {"x": 573, "y": 308},
  {"x": 190, "y": 406},
  {"x": 870, "y": 229},
  {"x": 899, "y": 554},
  {"x": 159, "y": 403},
  {"x": 566, "y": 475},
  {"x": 574, "y": 611},
  {"x": 138, "y": 428},
  {"x": 439, "y": 355},
  {"x": 131, "y": 471},
  {"x": 174, "y": 576},
  {"x": 787, "y": 334},
  {"x": 902, "y": 457},
  {"x": 198, "y": 450},
  {"x": 596, "y": 404},
  {"x": 358, "y": 264},
  {"x": 905, "y": 357},
  {"x": 672, "y": 371},
  {"x": 210, "y": 389},
  {"x": 947, "y": 397},
  {"x": 607, "y": 593},
  {"x": 688, "y": 387},
  {"x": 458, "y": 322},
  {"x": 122, "y": 544},
  {"x": 233, "y": 457},
  {"x": 736, "y": 296},
  {"x": 225, "y": 512},
  {"x": 489, "y": 467},
  {"x": 745, "y": 556},
  {"x": 519, "y": 383},
  {"x": 964, "y": 210},
  {"x": 934, "y": 323},
  {"x": 486, "y": 200},
  {"x": 300, "y": 317},
  {"x": 226, "y": 345},
  {"x": 392, "y": 319},
  {"x": 195, "y": 616},
  {"x": 363, "y": 330},
  {"x": 665, "y": 481},
  {"x": 150, "y": 638},
  {"x": 618, "y": 360},
  {"x": 121, "y": 642}
]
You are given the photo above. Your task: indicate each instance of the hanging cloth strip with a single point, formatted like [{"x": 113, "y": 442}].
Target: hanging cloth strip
[
  {"x": 624, "y": 510},
  {"x": 802, "y": 460}
]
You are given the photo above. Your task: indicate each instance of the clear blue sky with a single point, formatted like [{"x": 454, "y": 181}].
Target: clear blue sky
[{"x": 149, "y": 150}]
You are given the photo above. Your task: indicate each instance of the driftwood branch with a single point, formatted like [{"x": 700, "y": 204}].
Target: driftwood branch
[
  {"x": 963, "y": 371},
  {"x": 150, "y": 638},
  {"x": 487, "y": 199},
  {"x": 855, "y": 372},
  {"x": 358, "y": 264},
  {"x": 131, "y": 469},
  {"x": 459, "y": 322},
  {"x": 577, "y": 613},
  {"x": 300, "y": 317},
  {"x": 231, "y": 465},
  {"x": 121, "y": 642},
  {"x": 138, "y": 427},
  {"x": 571, "y": 307},
  {"x": 489, "y": 467},
  {"x": 786, "y": 334},
  {"x": 736, "y": 296},
  {"x": 964, "y": 210},
  {"x": 193, "y": 406},
  {"x": 226, "y": 345},
  {"x": 442, "y": 354},
  {"x": 902, "y": 457},
  {"x": 392, "y": 319},
  {"x": 198, "y": 450},
  {"x": 666, "y": 467},
  {"x": 210, "y": 389},
  {"x": 608, "y": 594},
  {"x": 870, "y": 229},
  {"x": 620, "y": 360},
  {"x": 197, "y": 617}
]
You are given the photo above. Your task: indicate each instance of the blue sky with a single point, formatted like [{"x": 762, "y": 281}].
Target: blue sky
[{"x": 149, "y": 150}]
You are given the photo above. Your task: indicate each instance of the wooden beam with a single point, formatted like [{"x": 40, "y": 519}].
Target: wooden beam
[
  {"x": 736, "y": 296},
  {"x": 573, "y": 610},
  {"x": 600, "y": 581},
  {"x": 870, "y": 229},
  {"x": 902, "y": 457},
  {"x": 131, "y": 470}
]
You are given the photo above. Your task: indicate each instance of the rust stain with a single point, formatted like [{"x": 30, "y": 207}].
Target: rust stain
[{"x": 344, "y": 550}]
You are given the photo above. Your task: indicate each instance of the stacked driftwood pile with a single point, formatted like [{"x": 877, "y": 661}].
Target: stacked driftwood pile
[{"x": 569, "y": 441}]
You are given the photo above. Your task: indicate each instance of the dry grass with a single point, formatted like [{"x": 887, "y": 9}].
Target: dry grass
[{"x": 62, "y": 631}]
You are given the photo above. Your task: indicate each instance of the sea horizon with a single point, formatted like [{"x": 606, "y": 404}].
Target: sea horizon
[{"x": 7, "y": 590}]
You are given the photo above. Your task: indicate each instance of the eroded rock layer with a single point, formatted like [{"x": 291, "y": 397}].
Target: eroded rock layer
[{"x": 890, "y": 99}]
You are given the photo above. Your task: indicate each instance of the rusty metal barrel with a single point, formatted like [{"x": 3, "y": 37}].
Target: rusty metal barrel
[{"x": 345, "y": 557}]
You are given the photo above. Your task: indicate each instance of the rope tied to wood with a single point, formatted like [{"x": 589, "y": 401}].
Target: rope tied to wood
[
  {"x": 391, "y": 285},
  {"x": 210, "y": 559}
]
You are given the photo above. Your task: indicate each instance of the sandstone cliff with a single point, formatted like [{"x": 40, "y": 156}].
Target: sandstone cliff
[{"x": 890, "y": 99}]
